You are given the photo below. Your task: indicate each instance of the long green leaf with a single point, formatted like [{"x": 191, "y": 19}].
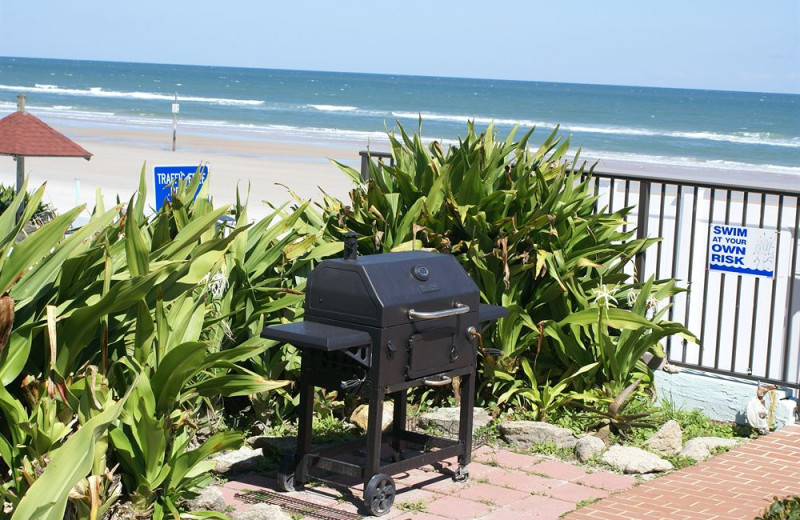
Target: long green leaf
[
  {"x": 616, "y": 318},
  {"x": 174, "y": 370},
  {"x": 136, "y": 249},
  {"x": 235, "y": 385},
  {"x": 45, "y": 271},
  {"x": 33, "y": 248},
  {"x": 186, "y": 462},
  {"x": 16, "y": 353}
]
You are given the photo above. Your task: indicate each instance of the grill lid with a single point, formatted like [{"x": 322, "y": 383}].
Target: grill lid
[{"x": 380, "y": 290}]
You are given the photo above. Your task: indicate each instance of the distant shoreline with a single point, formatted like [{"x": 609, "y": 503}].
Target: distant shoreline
[
  {"x": 270, "y": 169},
  {"x": 270, "y": 162}
]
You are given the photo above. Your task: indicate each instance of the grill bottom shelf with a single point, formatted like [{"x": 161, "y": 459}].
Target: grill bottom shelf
[{"x": 348, "y": 459}]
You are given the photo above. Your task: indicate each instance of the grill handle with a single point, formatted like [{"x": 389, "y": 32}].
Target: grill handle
[
  {"x": 460, "y": 308},
  {"x": 443, "y": 381}
]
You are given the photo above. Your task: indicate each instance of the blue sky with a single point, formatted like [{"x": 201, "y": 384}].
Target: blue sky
[{"x": 730, "y": 44}]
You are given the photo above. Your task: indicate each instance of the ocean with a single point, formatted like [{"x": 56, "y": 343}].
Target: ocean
[{"x": 711, "y": 129}]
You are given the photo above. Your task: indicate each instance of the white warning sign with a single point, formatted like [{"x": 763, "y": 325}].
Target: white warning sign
[{"x": 742, "y": 250}]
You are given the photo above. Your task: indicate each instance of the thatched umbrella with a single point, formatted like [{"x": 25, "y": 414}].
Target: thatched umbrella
[{"x": 25, "y": 135}]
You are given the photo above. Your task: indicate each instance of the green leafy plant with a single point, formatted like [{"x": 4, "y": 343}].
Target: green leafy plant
[
  {"x": 523, "y": 221},
  {"x": 417, "y": 506},
  {"x": 550, "y": 449},
  {"x": 124, "y": 296},
  {"x": 782, "y": 509}
]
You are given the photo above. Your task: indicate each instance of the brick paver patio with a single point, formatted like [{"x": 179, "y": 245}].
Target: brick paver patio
[
  {"x": 736, "y": 485},
  {"x": 510, "y": 486}
]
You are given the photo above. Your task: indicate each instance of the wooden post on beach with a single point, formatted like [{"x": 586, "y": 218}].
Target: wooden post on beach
[
  {"x": 174, "y": 121},
  {"x": 20, "y": 158}
]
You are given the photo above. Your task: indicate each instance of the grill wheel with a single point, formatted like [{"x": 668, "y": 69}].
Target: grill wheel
[
  {"x": 379, "y": 494},
  {"x": 286, "y": 469}
]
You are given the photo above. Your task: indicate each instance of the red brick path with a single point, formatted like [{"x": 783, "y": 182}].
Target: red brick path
[
  {"x": 733, "y": 486},
  {"x": 510, "y": 486}
]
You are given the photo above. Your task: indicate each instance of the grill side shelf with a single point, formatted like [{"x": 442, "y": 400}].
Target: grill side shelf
[
  {"x": 319, "y": 336},
  {"x": 491, "y": 312}
]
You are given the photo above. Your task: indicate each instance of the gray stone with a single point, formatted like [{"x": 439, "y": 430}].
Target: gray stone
[
  {"x": 447, "y": 419},
  {"x": 261, "y": 512},
  {"x": 634, "y": 460},
  {"x": 239, "y": 461},
  {"x": 529, "y": 433},
  {"x": 273, "y": 447},
  {"x": 700, "y": 448},
  {"x": 589, "y": 446},
  {"x": 209, "y": 499},
  {"x": 668, "y": 440},
  {"x": 360, "y": 419}
]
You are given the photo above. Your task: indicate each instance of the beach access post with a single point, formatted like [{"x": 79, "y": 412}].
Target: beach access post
[{"x": 175, "y": 109}]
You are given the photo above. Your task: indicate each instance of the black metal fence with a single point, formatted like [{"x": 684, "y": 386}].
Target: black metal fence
[{"x": 747, "y": 326}]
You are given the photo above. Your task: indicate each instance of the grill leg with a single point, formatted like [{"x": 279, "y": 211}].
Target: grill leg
[
  {"x": 374, "y": 420},
  {"x": 305, "y": 416},
  {"x": 465, "y": 420},
  {"x": 399, "y": 422}
]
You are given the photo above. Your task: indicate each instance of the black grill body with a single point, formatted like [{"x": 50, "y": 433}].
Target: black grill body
[{"x": 378, "y": 325}]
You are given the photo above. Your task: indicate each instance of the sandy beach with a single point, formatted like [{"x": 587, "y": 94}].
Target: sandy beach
[{"x": 267, "y": 166}]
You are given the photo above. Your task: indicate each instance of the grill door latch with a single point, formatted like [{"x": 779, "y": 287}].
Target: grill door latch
[{"x": 390, "y": 349}]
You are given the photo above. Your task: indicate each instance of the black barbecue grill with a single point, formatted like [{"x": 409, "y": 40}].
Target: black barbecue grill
[{"x": 377, "y": 325}]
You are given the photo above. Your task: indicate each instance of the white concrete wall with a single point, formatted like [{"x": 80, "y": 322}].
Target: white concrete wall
[{"x": 722, "y": 398}]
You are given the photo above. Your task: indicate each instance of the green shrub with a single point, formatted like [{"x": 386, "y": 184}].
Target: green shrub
[
  {"x": 523, "y": 222},
  {"x": 134, "y": 314},
  {"x": 782, "y": 509}
]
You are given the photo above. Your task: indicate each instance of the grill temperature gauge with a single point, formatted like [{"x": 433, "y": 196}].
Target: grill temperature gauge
[{"x": 420, "y": 272}]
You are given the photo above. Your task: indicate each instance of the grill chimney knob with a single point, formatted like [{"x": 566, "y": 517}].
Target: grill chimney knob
[
  {"x": 420, "y": 272},
  {"x": 350, "y": 245}
]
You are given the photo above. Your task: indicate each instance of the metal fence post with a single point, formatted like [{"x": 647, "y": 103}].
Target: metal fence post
[
  {"x": 642, "y": 224},
  {"x": 364, "y": 165},
  {"x": 365, "y": 158}
]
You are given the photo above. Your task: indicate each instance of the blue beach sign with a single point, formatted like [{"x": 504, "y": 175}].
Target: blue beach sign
[
  {"x": 167, "y": 178},
  {"x": 742, "y": 250}
]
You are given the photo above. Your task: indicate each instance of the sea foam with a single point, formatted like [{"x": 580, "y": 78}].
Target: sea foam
[{"x": 101, "y": 92}]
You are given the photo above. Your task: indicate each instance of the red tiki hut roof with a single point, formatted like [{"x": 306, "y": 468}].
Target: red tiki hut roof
[{"x": 23, "y": 134}]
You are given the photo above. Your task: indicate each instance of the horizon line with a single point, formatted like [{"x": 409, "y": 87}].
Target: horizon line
[{"x": 619, "y": 85}]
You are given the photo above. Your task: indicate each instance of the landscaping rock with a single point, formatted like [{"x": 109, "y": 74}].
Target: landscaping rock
[
  {"x": 634, "y": 460},
  {"x": 240, "y": 461},
  {"x": 447, "y": 419},
  {"x": 261, "y": 512},
  {"x": 273, "y": 447},
  {"x": 668, "y": 440},
  {"x": 209, "y": 499},
  {"x": 589, "y": 446},
  {"x": 359, "y": 416},
  {"x": 604, "y": 434},
  {"x": 528, "y": 433},
  {"x": 700, "y": 448}
]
